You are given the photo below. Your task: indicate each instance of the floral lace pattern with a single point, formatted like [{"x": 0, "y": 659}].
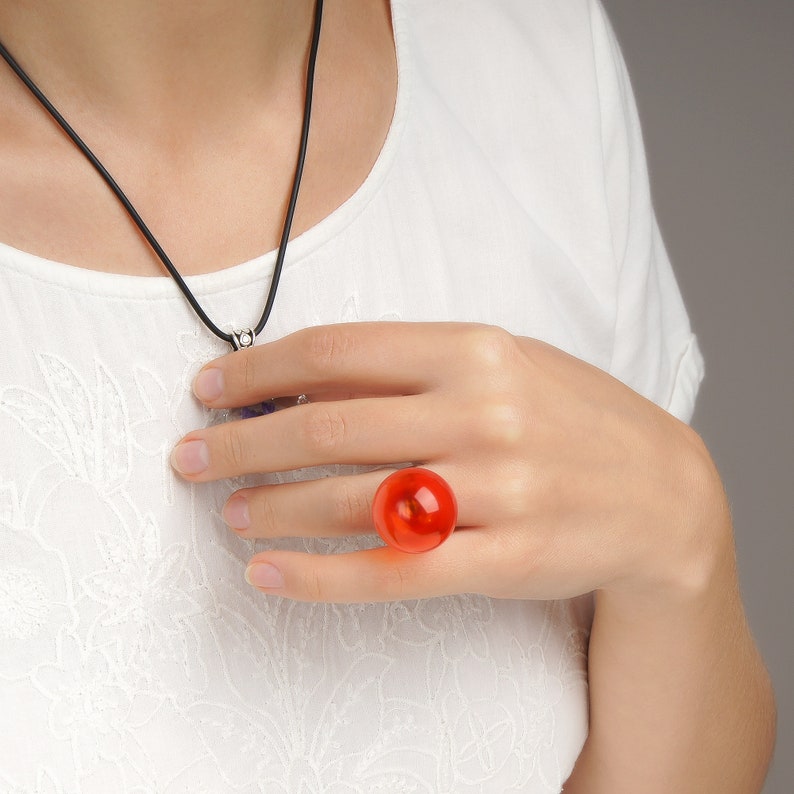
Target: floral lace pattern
[{"x": 126, "y": 627}]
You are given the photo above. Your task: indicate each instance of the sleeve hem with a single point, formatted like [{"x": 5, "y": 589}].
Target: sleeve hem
[{"x": 689, "y": 375}]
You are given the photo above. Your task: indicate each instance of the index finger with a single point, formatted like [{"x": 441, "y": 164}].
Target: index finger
[{"x": 376, "y": 358}]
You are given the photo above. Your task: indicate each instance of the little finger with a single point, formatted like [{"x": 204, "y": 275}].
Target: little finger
[{"x": 461, "y": 565}]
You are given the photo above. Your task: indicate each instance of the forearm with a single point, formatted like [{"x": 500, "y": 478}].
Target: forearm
[{"x": 680, "y": 699}]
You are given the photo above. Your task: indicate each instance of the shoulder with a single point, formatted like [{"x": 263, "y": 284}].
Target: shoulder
[
  {"x": 522, "y": 13},
  {"x": 529, "y": 66},
  {"x": 464, "y": 34},
  {"x": 522, "y": 80}
]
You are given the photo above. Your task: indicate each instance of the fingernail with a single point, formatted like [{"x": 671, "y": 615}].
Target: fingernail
[
  {"x": 235, "y": 513},
  {"x": 263, "y": 574},
  {"x": 208, "y": 385},
  {"x": 191, "y": 457}
]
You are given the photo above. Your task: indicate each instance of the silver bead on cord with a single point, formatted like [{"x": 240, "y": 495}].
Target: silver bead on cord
[{"x": 244, "y": 337}]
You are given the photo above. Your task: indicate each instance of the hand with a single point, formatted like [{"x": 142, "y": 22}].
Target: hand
[{"x": 567, "y": 481}]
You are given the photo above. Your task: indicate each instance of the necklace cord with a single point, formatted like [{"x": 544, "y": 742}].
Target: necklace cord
[
  {"x": 139, "y": 222},
  {"x": 296, "y": 182}
]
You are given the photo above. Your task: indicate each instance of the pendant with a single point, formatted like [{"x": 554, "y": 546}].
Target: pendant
[
  {"x": 272, "y": 405},
  {"x": 260, "y": 409},
  {"x": 243, "y": 337}
]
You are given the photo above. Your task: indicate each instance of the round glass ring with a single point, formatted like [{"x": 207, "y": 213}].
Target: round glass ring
[{"x": 414, "y": 510}]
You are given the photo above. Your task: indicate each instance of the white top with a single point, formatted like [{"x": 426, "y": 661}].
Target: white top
[{"x": 133, "y": 658}]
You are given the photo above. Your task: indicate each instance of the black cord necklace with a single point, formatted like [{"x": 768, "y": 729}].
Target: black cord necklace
[{"x": 239, "y": 338}]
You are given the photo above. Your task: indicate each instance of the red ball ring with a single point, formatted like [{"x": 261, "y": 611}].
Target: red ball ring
[{"x": 414, "y": 510}]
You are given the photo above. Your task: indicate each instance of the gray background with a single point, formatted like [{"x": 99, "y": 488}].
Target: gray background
[{"x": 714, "y": 81}]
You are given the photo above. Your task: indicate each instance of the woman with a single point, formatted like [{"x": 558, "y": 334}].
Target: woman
[{"x": 475, "y": 169}]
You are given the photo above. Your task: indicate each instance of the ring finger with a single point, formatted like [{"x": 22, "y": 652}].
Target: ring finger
[
  {"x": 327, "y": 507},
  {"x": 338, "y": 506}
]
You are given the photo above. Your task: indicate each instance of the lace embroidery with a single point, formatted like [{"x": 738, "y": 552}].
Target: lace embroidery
[
  {"x": 125, "y": 619},
  {"x": 86, "y": 435}
]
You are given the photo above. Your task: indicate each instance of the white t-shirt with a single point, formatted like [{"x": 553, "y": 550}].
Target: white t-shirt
[{"x": 511, "y": 190}]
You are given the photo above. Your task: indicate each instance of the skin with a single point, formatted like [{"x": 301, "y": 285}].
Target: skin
[
  {"x": 219, "y": 139},
  {"x": 567, "y": 481}
]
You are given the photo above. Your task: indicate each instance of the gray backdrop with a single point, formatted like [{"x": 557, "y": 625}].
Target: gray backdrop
[{"x": 714, "y": 81}]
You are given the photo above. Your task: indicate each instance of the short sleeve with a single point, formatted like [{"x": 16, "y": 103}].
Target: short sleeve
[{"x": 655, "y": 351}]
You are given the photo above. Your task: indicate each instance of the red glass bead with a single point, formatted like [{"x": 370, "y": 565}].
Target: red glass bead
[{"x": 414, "y": 510}]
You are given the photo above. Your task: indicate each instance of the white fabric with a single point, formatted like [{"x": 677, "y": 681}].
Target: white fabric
[{"x": 511, "y": 190}]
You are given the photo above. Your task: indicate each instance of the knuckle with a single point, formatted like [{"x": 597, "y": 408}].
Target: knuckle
[
  {"x": 392, "y": 581},
  {"x": 249, "y": 371},
  {"x": 312, "y": 585},
  {"x": 490, "y": 347},
  {"x": 351, "y": 508},
  {"x": 323, "y": 430},
  {"x": 233, "y": 449},
  {"x": 516, "y": 496},
  {"x": 326, "y": 347},
  {"x": 499, "y": 421},
  {"x": 266, "y": 518}
]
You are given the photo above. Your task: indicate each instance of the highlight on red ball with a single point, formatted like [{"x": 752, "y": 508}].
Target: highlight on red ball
[{"x": 414, "y": 510}]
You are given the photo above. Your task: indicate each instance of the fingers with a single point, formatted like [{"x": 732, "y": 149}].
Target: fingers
[
  {"x": 461, "y": 565},
  {"x": 402, "y": 378},
  {"x": 367, "y": 431},
  {"x": 331, "y": 358},
  {"x": 341, "y": 506},
  {"x": 375, "y": 358},
  {"x": 328, "y": 507}
]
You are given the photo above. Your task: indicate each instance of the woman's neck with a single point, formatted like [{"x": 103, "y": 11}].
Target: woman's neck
[
  {"x": 139, "y": 59},
  {"x": 196, "y": 111}
]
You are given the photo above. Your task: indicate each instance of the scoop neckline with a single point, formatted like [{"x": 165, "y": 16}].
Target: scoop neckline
[{"x": 260, "y": 267}]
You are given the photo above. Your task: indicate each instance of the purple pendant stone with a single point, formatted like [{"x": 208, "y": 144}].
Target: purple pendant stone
[{"x": 260, "y": 409}]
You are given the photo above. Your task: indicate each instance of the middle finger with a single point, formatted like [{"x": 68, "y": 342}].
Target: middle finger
[{"x": 372, "y": 431}]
